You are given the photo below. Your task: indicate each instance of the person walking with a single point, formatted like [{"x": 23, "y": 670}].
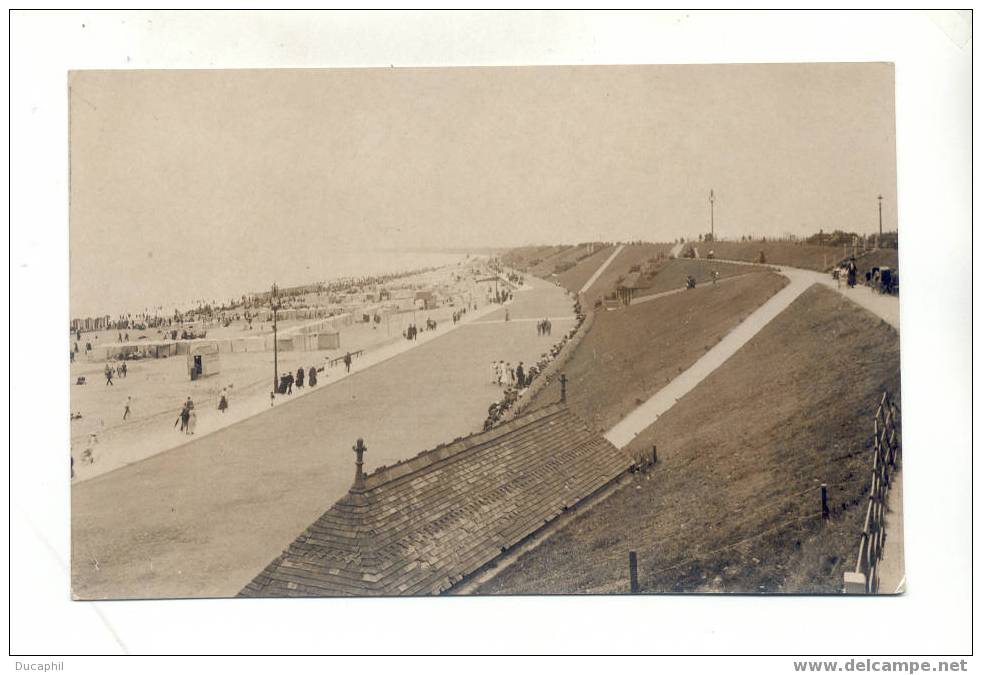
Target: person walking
[
  {"x": 126, "y": 410},
  {"x": 520, "y": 375},
  {"x": 223, "y": 401},
  {"x": 289, "y": 384},
  {"x": 184, "y": 415},
  {"x": 192, "y": 422},
  {"x": 347, "y": 360},
  {"x": 300, "y": 375},
  {"x": 109, "y": 376},
  {"x": 124, "y": 370},
  {"x": 312, "y": 377}
]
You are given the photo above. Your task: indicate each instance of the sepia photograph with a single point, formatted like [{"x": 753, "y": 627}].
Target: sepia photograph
[
  {"x": 536, "y": 330},
  {"x": 468, "y": 332}
]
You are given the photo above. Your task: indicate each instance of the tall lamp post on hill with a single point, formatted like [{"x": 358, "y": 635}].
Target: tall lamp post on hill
[
  {"x": 712, "y": 216},
  {"x": 879, "y": 201},
  {"x": 274, "y": 301}
]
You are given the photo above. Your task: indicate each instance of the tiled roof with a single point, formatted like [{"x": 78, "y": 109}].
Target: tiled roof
[{"x": 419, "y": 527}]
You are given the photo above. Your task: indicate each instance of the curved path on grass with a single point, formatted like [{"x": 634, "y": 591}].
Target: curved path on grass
[
  {"x": 203, "y": 519},
  {"x": 886, "y": 307}
]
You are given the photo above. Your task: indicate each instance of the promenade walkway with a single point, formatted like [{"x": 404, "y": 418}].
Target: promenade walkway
[{"x": 202, "y": 519}]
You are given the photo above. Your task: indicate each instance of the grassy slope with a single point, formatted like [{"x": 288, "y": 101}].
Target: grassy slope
[
  {"x": 633, "y": 254},
  {"x": 631, "y": 353},
  {"x": 545, "y": 268},
  {"x": 885, "y": 257},
  {"x": 574, "y": 278},
  {"x": 520, "y": 257},
  {"x": 671, "y": 274},
  {"x": 806, "y": 256},
  {"x": 790, "y": 410}
]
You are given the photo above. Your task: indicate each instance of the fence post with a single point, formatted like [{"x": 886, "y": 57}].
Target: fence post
[
  {"x": 825, "y": 501},
  {"x": 632, "y": 559},
  {"x": 854, "y": 583},
  {"x": 654, "y": 454}
]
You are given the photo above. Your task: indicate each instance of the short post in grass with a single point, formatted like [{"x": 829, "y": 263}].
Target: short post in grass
[
  {"x": 825, "y": 501},
  {"x": 562, "y": 388},
  {"x": 632, "y": 559},
  {"x": 654, "y": 454}
]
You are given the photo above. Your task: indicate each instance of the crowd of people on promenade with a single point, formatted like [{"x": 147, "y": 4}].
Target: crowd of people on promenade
[
  {"x": 412, "y": 331},
  {"x": 516, "y": 380},
  {"x": 289, "y": 380}
]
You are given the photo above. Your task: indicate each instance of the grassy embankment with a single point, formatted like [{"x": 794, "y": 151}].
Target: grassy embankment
[{"x": 731, "y": 504}]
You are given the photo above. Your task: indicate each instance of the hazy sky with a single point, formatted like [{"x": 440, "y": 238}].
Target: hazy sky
[{"x": 181, "y": 177}]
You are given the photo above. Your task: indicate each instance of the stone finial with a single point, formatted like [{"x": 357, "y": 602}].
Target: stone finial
[{"x": 359, "y": 449}]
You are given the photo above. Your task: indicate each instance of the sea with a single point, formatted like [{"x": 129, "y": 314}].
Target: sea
[{"x": 198, "y": 285}]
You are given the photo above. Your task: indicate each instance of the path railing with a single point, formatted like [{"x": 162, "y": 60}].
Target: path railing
[{"x": 886, "y": 457}]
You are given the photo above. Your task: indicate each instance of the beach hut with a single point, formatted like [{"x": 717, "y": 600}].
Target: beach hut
[
  {"x": 329, "y": 341},
  {"x": 203, "y": 360}
]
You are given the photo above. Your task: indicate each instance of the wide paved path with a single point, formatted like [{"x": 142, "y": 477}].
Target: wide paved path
[
  {"x": 886, "y": 307},
  {"x": 203, "y": 519}
]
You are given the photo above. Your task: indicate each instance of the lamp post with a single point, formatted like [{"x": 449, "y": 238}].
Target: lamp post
[
  {"x": 274, "y": 301},
  {"x": 712, "y": 216},
  {"x": 879, "y": 201}
]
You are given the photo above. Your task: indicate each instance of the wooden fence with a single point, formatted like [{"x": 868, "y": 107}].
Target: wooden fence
[{"x": 886, "y": 457}]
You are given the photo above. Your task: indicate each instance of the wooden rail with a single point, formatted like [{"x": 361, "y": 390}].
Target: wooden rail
[
  {"x": 886, "y": 457},
  {"x": 335, "y": 361}
]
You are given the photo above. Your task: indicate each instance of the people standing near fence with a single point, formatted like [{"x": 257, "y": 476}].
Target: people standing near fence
[
  {"x": 312, "y": 377},
  {"x": 520, "y": 375},
  {"x": 347, "y": 362}
]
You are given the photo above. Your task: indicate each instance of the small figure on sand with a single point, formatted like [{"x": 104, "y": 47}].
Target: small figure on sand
[
  {"x": 126, "y": 410},
  {"x": 185, "y": 415},
  {"x": 109, "y": 376},
  {"x": 223, "y": 401}
]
